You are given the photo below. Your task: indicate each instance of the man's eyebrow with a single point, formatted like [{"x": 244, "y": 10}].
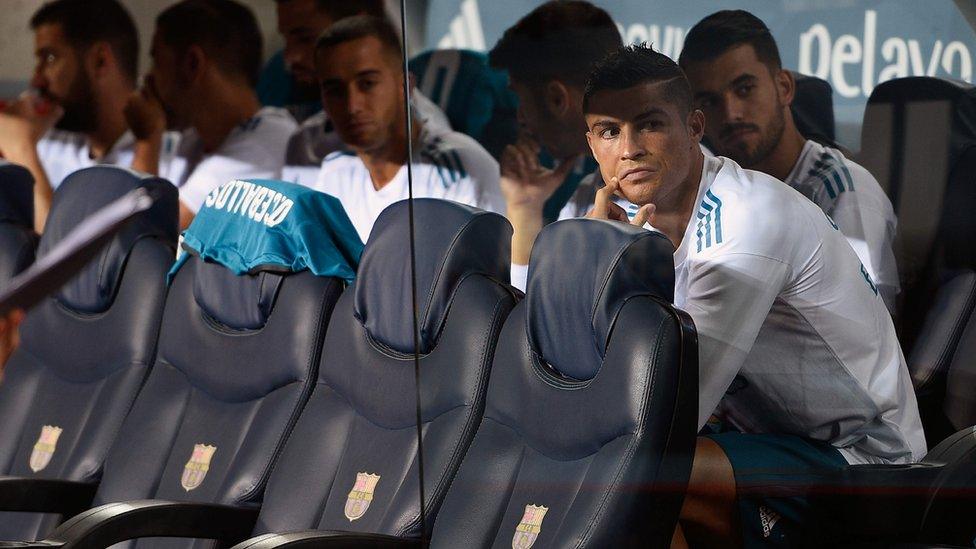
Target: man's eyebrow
[
  {"x": 604, "y": 122},
  {"x": 743, "y": 78}
]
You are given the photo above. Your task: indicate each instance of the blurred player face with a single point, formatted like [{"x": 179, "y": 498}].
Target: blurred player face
[
  {"x": 643, "y": 139},
  {"x": 169, "y": 83},
  {"x": 300, "y": 22},
  {"x": 546, "y": 113},
  {"x": 362, "y": 92},
  {"x": 744, "y": 103},
  {"x": 60, "y": 77}
]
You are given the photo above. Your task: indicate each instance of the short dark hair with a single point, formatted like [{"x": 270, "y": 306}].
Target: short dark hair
[
  {"x": 559, "y": 40},
  {"x": 226, "y": 31},
  {"x": 361, "y": 26},
  {"x": 724, "y": 30},
  {"x": 340, "y": 9},
  {"x": 637, "y": 64},
  {"x": 85, "y": 22}
]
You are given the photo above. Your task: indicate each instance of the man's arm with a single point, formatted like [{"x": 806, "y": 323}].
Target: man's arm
[
  {"x": 728, "y": 297},
  {"x": 147, "y": 120},
  {"x": 22, "y": 124}
]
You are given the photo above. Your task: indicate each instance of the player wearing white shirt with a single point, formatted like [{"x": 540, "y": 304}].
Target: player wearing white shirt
[
  {"x": 736, "y": 74},
  {"x": 316, "y": 138},
  {"x": 254, "y": 149},
  {"x": 360, "y": 69},
  {"x": 797, "y": 353},
  {"x": 447, "y": 165},
  {"x": 852, "y": 197},
  {"x": 205, "y": 86}
]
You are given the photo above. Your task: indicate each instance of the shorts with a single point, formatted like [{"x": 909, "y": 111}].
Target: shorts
[{"x": 775, "y": 476}]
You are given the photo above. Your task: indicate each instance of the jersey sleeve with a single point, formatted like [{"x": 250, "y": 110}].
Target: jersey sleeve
[{"x": 729, "y": 297}]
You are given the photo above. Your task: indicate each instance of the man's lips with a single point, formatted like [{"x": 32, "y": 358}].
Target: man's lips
[
  {"x": 637, "y": 174},
  {"x": 737, "y": 134}
]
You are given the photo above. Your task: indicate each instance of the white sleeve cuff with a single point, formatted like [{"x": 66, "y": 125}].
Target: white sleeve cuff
[{"x": 520, "y": 276}]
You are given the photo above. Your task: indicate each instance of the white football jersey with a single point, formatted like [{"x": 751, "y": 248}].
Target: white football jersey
[
  {"x": 316, "y": 138},
  {"x": 852, "y": 197},
  {"x": 446, "y": 165},
  {"x": 252, "y": 150},
  {"x": 793, "y": 335},
  {"x": 62, "y": 153}
]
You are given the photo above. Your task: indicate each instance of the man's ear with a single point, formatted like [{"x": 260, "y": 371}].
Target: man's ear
[
  {"x": 785, "y": 86},
  {"x": 99, "y": 58},
  {"x": 557, "y": 97},
  {"x": 194, "y": 63},
  {"x": 696, "y": 125}
]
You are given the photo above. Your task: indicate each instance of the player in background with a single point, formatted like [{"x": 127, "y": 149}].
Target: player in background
[
  {"x": 797, "y": 354},
  {"x": 548, "y": 55},
  {"x": 360, "y": 68},
  {"x": 734, "y": 67},
  {"x": 206, "y": 56},
  {"x": 87, "y": 51},
  {"x": 301, "y": 22}
]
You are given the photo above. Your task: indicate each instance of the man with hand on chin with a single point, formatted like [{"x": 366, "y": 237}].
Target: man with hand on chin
[{"x": 797, "y": 353}]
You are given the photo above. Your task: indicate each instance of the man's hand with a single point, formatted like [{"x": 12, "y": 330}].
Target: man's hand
[
  {"x": 525, "y": 183},
  {"x": 144, "y": 113},
  {"x": 23, "y": 123},
  {"x": 605, "y": 208}
]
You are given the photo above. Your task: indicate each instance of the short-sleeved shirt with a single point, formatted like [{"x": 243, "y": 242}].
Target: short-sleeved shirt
[
  {"x": 447, "y": 165},
  {"x": 254, "y": 149},
  {"x": 852, "y": 197},
  {"x": 794, "y": 337},
  {"x": 63, "y": 152},
  {"x": 316, "y": 138}
]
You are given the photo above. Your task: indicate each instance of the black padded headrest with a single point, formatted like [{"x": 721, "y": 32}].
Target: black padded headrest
[
  {"x": 239, "y": 302},
  {"x": 581, "y": 273},
  {"x": 813, "y": 107},
  {"x": 961, "y": 95},
  {"x": 16, "y": 195},
  {"x": 452, "y": 241},
  {"x": 83, "y": 193}
]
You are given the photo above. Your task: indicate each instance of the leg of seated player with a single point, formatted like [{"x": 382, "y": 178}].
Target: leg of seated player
[{"x": 709, "y": 517}]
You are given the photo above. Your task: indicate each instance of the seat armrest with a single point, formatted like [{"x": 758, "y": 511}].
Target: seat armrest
[
  {"x": 112, "y": 523},
  {"x": 311, "y": 539},
  {"x": 41, "y": 495}
]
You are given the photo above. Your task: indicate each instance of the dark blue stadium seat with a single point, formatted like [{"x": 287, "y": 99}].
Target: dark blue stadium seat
[
  {"x": 590, "y": 422},
  {"x": 813, "y": 109},
  {"x": 84, "y": 352},
  {"x": 18, "y": 240}
]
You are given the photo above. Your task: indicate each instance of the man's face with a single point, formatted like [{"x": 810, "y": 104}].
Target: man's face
[
  {"x": 744, "y": 104},
  {"x": 300, "y": 22},
  {"x": 644, "y": 140},
  {"x": 560, "y": 135},
  {"x": 168, "y": 82},
  {"x": 362, "y": 92},
  {"x": 60, "y": 77}
]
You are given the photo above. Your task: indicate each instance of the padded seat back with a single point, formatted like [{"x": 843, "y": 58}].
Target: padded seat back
[
  {"x": 813, "y": 108},
  {"x": 935, "y": 351},
  {"x": 475, "y": 97},
  {"x": 17, "y": 238},
  {"x": 590, "y": 422},
  {"x": 919, "y": 140},
  {"x": 238, "y": 356},
  {"x": 351, "y": 463},
  {"x": 85, "y": 352}
]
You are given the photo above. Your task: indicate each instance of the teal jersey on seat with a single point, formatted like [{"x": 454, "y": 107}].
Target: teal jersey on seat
[{"x": 261, "y": 224}]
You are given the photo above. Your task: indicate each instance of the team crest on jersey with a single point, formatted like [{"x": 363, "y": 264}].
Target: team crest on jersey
[
  {"x": 196, "y": 469},
  {"x": 361, "y": 495},
  {"x": 44, "y": 448},
  {"x": 528, "y": 529}
]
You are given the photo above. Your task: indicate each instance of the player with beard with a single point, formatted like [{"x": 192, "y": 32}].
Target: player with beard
[
  {"x": 86, "y": 52},
  {"x": 206, "y": 56},
  {"x": 301, "y": 22},
  {"x": 734, "y": 67},
  {"x": 360, "y": 67},
  {"x": 797, "y": 353}
]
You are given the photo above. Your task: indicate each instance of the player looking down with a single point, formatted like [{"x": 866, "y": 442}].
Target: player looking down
[
  {"x": 360, "y": 69},
  {"x": 797, "y": 353},
  {"x": 734, "y": 67},
  {"x": 206, "y": 56}
]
